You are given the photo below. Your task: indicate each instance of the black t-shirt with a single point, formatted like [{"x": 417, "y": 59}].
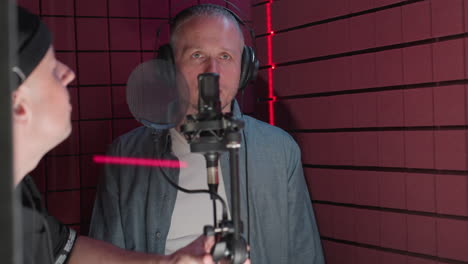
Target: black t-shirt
[{"x": 45, "y": 239}]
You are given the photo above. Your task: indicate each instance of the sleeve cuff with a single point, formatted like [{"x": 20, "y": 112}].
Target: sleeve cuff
[{"x": 65, "y": 252}]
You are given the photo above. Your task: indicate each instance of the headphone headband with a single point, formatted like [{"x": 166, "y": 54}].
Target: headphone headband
[
  {"x": 189, "y": 10},
  {"x": 249, "y": 63}
]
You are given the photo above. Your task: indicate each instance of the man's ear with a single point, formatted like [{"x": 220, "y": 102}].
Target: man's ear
[{"x": 20, "y": 105}]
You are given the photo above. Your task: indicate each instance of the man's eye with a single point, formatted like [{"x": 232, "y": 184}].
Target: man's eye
[
  {"x": 196, "y": 55},
  {"x": 225, "y": 56}
]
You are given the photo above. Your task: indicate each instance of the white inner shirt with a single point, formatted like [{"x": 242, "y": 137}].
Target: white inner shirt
[{"x": 192, "y": 211}]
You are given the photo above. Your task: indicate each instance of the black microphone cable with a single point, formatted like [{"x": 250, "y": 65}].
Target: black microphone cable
[
  {"x": 217, "y": 196},
  {"x": 246, "y": 169}
]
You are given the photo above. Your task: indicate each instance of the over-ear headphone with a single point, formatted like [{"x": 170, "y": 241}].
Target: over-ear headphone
[{"x": 249, "y": 62}]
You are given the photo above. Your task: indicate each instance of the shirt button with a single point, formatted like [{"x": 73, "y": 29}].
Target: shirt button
[{"x": 158, "y": 234}]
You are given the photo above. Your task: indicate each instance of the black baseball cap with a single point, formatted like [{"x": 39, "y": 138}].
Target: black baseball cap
[{"x": 34, "y": 39}]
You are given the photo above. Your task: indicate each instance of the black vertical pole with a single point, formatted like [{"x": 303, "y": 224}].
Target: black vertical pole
[{"x": 10, "y": 252}]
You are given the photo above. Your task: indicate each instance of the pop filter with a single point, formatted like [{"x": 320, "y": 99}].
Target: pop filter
[{"x": 157, "y": 95}]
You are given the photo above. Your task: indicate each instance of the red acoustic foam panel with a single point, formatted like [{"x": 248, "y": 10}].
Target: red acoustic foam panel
[
  {"x": 123, "y": 8},
  {"x": 367, "y": 188},
  {"x": 341, "y": 111},
  {"x": 367, "y": 256},
  {"x": 416, "y": 21},
  {"x": 65, "y": 206},
  {"x": 422, "y": 234},
  {"x": 91, "y": 8},
  {"x": 389, "y": 67},
  {"x": 122, "y": 126},
  {"x": 363, "y": 32},
  {"x": 92, "y": 34},
  {"x": 418, "y": 260},
  {"x": 452, "y": 194},
  {"x": 339, "y": 36},
  {"x": 363, "y": 71},
  {"x": 300, "y": 44},
  {"x": 365, "y": 110},
  {"x": 452, "y": 238},
  {"x": 307, "y": 78},
  {"x": 449, "y": 105},
  {"x": 382, "y": 3},
  {"x": 119, "y": 102},
  {"x": 63, "y": 30},
  {"x": 367, "y": 226},
  {"x": 290, "y": 14},
  {"x": 361, "y": 5},
  {"x": 448, "y": 58},
  {"x": 391, "y": 149},
  {"x": 450, "y": 150},
  {"x": 392, "y": 190},
  {"x": 389, "y": 27},
  {"x": 90, "y": 171},
  {"x": 320, "y": 184},
  {"x": 87, "y": 203},
  {"x": 341, "y": 74},
  {"x": 95, "y": 136},
  {"x": 123, "y": 63},
  {"x": 336, "y": 253},
  {"x": 417, "y": 64},
  {"x": 390, "y": 108},
  {"x": 93, "y": 68},
  {"x": 259, "y": 19},
  {"x": 335, "y": 8},
  {"x": 323, "y": 214},
  {"x": 420, "y": 192},
  {"x": 394, "y": 230},
  {"x": 366, "y": 152},
  {"x": 63, "y": 173},
  {"x": 53, "y": 7},
  {"x": 419, "y": 107},
  {"x": 343, "y": 185},
  {"x": 342, "y": 148},
  {"x": 176, "y": 6},
  {"x": 150, "y": 8},
  {"x": 124, "y": 34},
  {"x": 95, "y": 102},
  {"x": 447, "y": 17},
  {"x": 344, "y": 219},
  {"x": 419, "y": 149},
  {"x": 390, "y": 258}
]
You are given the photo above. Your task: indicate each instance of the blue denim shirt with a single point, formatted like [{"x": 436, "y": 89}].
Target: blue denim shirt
[{"x": 134, "y": 205}]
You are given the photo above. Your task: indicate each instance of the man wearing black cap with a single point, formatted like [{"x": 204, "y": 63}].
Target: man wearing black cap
[{"x": 41, "y": 120}]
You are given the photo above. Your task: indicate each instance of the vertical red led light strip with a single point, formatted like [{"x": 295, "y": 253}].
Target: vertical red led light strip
[{"x": 271, "y": 97}]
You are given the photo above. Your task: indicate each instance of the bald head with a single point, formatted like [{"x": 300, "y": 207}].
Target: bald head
[{"x": 204, "y": 10}]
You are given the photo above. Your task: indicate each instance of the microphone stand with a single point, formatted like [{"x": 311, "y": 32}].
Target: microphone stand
[{"x": 211, "y": 132}]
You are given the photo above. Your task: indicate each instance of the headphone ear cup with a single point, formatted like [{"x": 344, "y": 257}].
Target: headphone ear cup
[
  {"x": 165, "y": 53},
  {"x": 249, "y": 67}
]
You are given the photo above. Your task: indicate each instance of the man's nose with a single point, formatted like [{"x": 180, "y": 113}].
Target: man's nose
[
  {"x": 68, "y": 77},
  {"x": 212, "y": 65}
]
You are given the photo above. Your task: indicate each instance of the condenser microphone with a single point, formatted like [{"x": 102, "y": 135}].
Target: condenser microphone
[
  {"x": 209, "y": 109},
  {"x": 209, "y": 104}
]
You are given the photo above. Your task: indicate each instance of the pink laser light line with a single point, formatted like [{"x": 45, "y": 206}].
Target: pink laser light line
[
  {"x": 271, "y": 109},
  {"x": 140, "y": 162}
]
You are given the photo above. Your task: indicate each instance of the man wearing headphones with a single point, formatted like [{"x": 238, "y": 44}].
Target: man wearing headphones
[
  {"x": 137, "y": 209},
  {"x": 41, "y": 120}
]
